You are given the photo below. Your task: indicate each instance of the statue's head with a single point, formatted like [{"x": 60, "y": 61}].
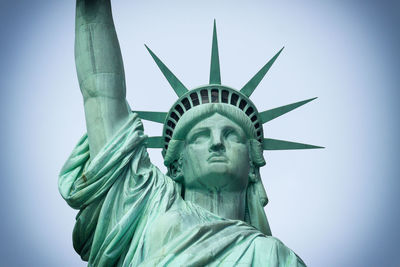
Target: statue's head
[
  {"x": 214, "y": 146},
  {"x": 212, "y": 142},
  {"x": 213, "y": 136}
]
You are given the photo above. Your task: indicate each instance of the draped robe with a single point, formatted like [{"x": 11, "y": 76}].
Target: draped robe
[{"x": 131, "y": 214}]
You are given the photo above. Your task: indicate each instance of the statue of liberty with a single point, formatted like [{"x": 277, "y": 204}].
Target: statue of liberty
[{"x": 208, "y": 210}]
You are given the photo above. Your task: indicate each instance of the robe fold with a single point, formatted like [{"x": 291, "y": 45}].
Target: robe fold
[{"x": 131, "y": 214}]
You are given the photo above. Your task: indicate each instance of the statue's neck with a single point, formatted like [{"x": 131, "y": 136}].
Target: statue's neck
[{"x": 229, "y": 205}]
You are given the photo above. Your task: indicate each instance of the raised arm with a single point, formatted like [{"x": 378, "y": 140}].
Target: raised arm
[{"x": 100, "y": 71}]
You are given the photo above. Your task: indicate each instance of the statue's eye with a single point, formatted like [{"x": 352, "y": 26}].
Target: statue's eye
[
  {"x": 233, "y": 136},
  {"x": 199, "y": 137}
]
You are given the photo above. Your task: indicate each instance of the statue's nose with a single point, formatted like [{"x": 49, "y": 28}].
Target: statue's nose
[
  {"x": 217, "y": 147},
  {"x": 217, "y": 144}
]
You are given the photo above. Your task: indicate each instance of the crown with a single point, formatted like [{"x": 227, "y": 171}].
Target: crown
[{"x": 214, "y": 92}]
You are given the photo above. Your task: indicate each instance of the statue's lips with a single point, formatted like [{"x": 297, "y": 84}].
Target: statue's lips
[{"x": 217, "y": 158}]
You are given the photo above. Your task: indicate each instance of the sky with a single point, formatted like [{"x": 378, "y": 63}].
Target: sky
[{"x": 336, "y": 206}]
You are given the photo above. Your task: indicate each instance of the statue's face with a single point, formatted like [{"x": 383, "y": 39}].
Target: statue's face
[{"x": 216, "y": 155}]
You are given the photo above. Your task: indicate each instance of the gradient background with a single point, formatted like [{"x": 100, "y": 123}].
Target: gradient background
[{"x": 333, "y": 207}]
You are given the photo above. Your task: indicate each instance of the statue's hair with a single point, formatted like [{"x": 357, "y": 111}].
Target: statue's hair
[{"x": 199, "y": 113}]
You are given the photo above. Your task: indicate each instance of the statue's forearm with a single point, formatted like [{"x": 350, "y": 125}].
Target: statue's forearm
[
  {"x": 97, "y": 52},
  {"x": 100, "y": 71}
]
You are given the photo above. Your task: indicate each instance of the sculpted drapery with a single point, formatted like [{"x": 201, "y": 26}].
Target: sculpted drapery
[{"x": 133, "y": 215}]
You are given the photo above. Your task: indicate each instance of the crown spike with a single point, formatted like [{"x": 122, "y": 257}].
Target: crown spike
[
  {"x": 251, "y": 85},
  {"x": 152, "y": 115},
  {"x": 155, "y": 142},
  {"x": 275, "y": 144},
  {"x": 215, "y": 74},
  {"x": 271, "y": 114},
  {"x": 178, "y": 87}
]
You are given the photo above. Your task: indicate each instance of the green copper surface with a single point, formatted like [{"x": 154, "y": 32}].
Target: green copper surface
[
  {"x": 155, "y": 142},
  {"x": 175, "y": 83},
  {"x": 152, "y": 115},
  {"x": 275, "y": 144},
  {"x": 271, "y": 114},
  {"x": 251, "y": 85},
  {"x": 131, "y": 214},
  {"x": 215, "y": 74}
]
